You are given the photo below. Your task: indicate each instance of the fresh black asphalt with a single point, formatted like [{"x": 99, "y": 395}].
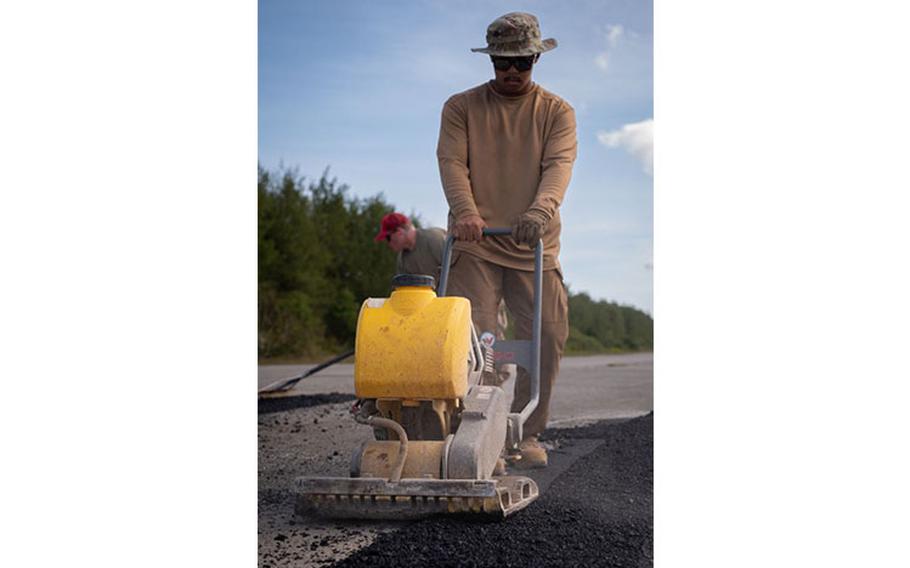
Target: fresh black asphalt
[{"x": 599, "y": 512}]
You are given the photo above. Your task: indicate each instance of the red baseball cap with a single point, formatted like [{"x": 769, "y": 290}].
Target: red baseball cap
[{"x": 390, "y": 224}]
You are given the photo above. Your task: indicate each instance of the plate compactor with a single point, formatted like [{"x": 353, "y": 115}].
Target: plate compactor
[{"x": 438, "y": 399}]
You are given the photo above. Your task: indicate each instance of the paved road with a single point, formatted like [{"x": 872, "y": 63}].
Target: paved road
[
  {"x": 588, "y": 388},
  {"x": 319, "y": 440}
]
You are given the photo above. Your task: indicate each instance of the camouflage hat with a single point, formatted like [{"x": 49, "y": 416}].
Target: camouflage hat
[{"x": 514, "y": 35}]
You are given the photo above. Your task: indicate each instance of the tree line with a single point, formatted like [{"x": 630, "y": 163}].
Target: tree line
[{"x": 318, "y": 261}]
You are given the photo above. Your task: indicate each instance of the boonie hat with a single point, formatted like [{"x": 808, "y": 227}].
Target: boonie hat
[
  {"x": 389, "y": 225},
  {"x": 516, "y": 34}
]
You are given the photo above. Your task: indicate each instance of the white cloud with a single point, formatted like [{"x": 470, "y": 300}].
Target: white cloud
[
  {"x": 614, "y": 33},
  {"x": 637, "y": 139}
]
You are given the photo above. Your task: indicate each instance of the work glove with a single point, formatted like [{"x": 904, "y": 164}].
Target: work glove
[{"x": 529, "y": 227}]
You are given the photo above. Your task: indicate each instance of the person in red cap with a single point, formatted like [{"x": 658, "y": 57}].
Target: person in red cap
[{"x": 419, "y": 250}]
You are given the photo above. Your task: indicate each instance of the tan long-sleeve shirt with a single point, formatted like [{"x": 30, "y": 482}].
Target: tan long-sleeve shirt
[{"x": 501, "y": 156}]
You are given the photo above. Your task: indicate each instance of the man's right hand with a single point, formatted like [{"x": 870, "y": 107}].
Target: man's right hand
[{"x": 469, "y": 228}]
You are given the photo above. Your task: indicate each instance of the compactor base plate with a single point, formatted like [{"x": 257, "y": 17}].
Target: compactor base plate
[{"x": 372, "y": 498}]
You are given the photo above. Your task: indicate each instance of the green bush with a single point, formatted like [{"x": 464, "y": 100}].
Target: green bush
[
  {"x": 614, "y": 326},
  {"x": 317, "y": 262},
  {"x": 578, "y": 342}
]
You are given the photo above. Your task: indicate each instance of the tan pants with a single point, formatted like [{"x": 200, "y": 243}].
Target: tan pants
[{"x": 485, "y": 283}]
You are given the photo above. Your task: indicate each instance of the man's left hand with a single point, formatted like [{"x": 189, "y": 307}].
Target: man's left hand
[{"x": 529, "y": 227}]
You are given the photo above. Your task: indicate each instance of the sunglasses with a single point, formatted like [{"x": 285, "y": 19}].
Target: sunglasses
[{"x": 520, "y": 63}]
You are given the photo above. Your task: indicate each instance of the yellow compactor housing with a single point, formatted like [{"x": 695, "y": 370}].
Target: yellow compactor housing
[{"x": 413, "y": 345}]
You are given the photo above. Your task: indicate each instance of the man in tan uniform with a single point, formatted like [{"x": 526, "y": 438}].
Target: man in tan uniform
[{"x": 506, "y": 150}]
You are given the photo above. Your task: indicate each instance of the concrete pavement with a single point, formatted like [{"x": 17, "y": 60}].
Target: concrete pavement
[{"x": 588, "y": 388}]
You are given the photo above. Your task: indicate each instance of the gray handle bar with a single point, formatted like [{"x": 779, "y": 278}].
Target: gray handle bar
[{"x": 530, "y": 357}]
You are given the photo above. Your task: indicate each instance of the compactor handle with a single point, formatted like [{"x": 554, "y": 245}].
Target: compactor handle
[
  {"x": 487, "y": 232},
  {"x": 534, "y": 363}
]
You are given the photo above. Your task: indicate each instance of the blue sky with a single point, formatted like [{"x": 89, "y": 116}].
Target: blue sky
[{"x": 358, "y": 86}]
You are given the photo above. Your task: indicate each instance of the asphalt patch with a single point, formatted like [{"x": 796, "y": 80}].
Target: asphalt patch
[
  {"x": 561, "y": 454},
  {"x": 598, "y": 512},
  {"x": 290, "y": 402},
  {"x": 315, "y": 440}
]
